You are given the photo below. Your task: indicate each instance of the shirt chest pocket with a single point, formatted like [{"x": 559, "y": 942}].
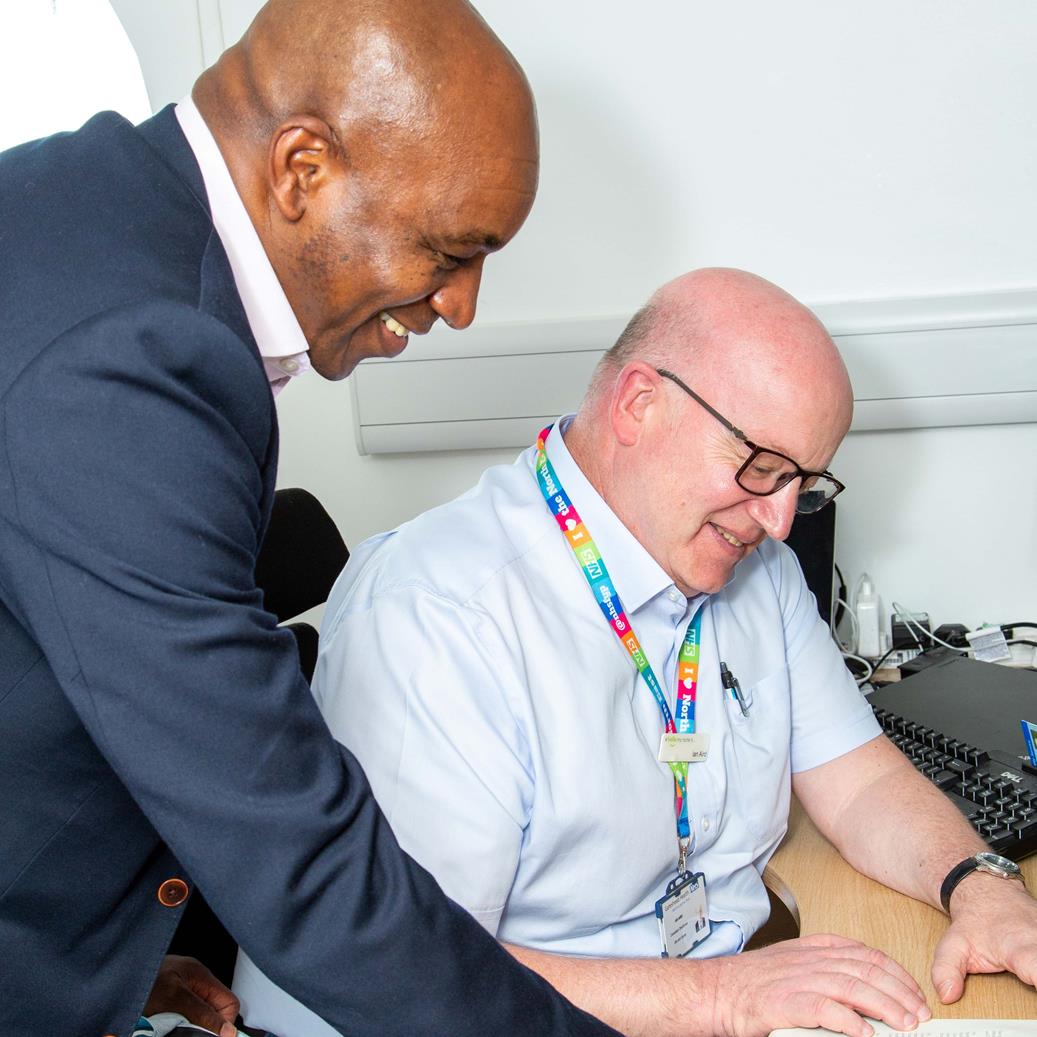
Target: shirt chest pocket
[{"x": 759, "y": 779}]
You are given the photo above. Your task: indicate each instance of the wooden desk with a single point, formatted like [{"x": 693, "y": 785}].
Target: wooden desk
[{"x": 833, "y": 898}]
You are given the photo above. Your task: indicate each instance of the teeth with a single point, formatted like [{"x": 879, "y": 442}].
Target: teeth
[
  {"x": 729, "y": 538},
  {"x": 393, "y": 325}
]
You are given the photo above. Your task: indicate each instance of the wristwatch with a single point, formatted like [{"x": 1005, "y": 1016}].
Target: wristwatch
[{"x": 991, "y": 863}]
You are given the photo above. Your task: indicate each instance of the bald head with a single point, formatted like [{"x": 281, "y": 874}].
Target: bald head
[
  {"x": 737, "y": 332},
  {"x": 391, "y": 66},
  {"x": 382, "y": 149},
  {"x": 704, "y": 462}
]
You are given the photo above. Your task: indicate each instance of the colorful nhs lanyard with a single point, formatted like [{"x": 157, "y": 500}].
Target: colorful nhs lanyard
[{"x": 680, "y": 745}]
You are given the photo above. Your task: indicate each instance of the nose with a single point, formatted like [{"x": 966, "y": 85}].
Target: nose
[
  {"x": 455, "y": 300},
  {"x": 776, "y": 512}
]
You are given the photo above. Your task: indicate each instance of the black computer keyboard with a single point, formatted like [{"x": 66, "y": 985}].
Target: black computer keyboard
[{"x": 997, "y": 797}]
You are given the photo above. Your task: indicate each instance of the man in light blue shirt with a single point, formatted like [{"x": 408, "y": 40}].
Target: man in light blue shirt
[{"x": 511, "y": 739}]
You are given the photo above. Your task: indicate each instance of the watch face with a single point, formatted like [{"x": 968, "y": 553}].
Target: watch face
[{"x": 999, "y": 863}]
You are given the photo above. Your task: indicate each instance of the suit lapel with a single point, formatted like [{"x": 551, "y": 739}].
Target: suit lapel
[{"x": 218, "y": 294}]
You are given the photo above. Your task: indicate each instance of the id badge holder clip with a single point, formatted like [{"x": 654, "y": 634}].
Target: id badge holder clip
[{"x": 682, "y": 914}]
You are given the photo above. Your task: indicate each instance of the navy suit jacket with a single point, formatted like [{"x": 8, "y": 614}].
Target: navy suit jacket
[{"x": 154, "y": 723}]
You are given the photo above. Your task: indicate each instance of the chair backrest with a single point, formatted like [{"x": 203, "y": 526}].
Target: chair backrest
[{"x": 301, "y": 557}]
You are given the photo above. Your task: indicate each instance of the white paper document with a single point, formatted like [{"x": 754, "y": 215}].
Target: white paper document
[{"x": 938, "y": 1028}]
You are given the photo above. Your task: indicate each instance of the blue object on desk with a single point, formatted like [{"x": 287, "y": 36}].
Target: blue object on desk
[{"x": 1030, "y": 734}]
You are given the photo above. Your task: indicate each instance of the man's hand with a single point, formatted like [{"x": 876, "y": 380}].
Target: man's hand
[
  {"x": 814, "y": 981},
  {"x": 187, "y": 987},
  {"x": 993, "y": 929}
]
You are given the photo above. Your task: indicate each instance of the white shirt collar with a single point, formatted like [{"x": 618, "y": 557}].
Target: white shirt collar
[
  {"x": 637, "y": 575},
  {"x": 270, "y": 316}
]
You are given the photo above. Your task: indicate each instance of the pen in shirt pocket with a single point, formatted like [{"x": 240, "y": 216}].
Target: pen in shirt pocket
[{"x": 730, "y": 681}]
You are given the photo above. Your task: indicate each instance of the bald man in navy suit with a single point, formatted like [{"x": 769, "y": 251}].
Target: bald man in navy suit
[{"x": 333, "y": 185}]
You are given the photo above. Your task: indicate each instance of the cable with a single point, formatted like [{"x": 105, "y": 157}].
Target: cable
[
  {"x": 1006, "y": 628},
  {"x": 878, "y": 665},
  {"x": 869, "y": 670},
  {"x": 840, "y": 598},
  {"x": 909, "y": 622},
  {"x": 873, "y": 668},
  {"x": 853, "y": 620}
]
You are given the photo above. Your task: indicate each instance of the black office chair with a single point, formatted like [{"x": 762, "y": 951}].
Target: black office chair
[{"x": 301, "y": 557}]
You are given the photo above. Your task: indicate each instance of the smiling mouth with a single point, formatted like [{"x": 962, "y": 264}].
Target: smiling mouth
[
  {"x": 729, "y": 537},
  {"x": 393, "y": 325}
]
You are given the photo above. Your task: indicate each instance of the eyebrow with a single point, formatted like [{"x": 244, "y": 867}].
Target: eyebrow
[
  {"x": 755, "y": 444},
  {"x": 772, "y": 448}
]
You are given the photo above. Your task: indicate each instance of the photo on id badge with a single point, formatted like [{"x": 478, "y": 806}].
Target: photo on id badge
[{"x": 683, "y": 915}]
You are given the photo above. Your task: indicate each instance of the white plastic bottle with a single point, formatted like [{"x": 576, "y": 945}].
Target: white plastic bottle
[{"x": 866, "y": 609}]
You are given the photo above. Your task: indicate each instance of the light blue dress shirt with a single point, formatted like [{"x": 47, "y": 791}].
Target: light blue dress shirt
[{"x": 513, "y": 745}]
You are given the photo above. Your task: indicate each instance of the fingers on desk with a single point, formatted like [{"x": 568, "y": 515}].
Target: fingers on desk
[
  {"x": 827, "y": 981},
  {"x": 950, "y": 964},
  {"x": 961, "y": 952}
]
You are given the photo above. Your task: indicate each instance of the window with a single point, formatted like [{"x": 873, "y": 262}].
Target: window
[{"x": 60, "y": 62}]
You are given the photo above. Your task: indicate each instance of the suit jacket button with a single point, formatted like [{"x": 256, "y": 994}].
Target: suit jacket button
[{"x": 172, "y": 892}]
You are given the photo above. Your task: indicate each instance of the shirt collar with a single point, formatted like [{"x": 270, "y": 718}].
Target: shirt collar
[
  {"x": 270, "y": 315},
  {"x": 636, "y": 574}
]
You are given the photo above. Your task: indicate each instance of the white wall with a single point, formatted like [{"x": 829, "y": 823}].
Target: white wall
[{"x": 843, "y": 150}]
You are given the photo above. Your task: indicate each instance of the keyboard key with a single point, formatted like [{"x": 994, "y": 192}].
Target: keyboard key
[
  {"x": 1025, "y": 828},
  {"x": 944, "y": 779}
]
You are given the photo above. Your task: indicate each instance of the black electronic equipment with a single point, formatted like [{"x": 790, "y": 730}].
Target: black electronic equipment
[
  {"x": 958, "y": 721},
  {"x": 812, "y": 538}
]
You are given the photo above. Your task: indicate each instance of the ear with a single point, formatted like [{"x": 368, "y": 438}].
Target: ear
[
  {"x": 303, "y": 154},
  {"x": 635, "y": 395}
]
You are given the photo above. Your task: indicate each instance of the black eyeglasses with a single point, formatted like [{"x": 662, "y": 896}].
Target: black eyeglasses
[{"x": 766, "y": 471}]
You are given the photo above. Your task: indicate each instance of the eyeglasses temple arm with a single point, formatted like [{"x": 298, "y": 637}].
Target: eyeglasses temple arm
[{"x": 699, "y": 400}]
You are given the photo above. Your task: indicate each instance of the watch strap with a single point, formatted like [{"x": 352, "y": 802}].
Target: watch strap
[
  {"x": 954, "y": 876},
  {"x": 964, "y": 869}
]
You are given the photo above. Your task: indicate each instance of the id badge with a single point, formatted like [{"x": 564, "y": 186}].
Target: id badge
[
  {"x": 683, "y": 915},
  {"x": 683, "y": 748}
]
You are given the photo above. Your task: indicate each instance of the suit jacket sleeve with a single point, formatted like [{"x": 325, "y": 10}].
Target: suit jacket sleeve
[{"x": 135, "y": 446}]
